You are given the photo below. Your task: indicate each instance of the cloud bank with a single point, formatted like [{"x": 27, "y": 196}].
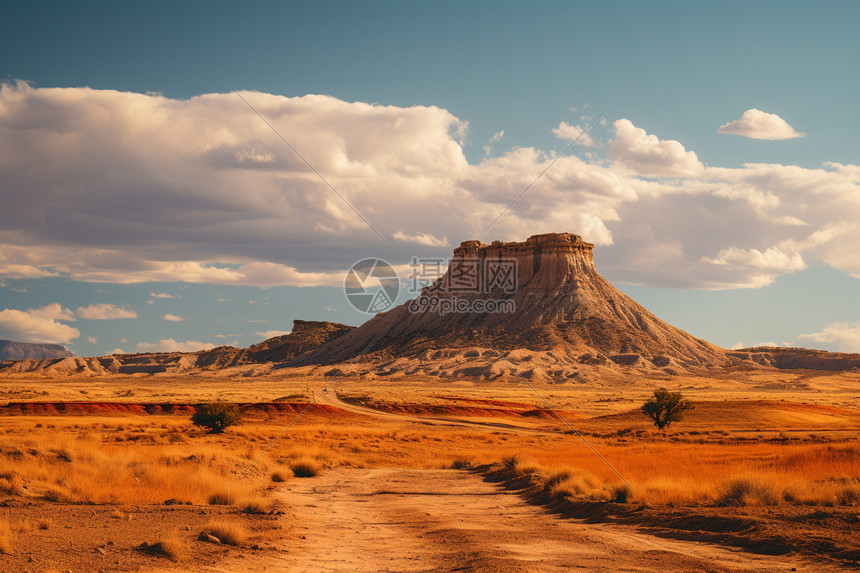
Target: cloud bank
[
  {"x": 170, "y": 345},
  {"x": 836, "y": 337},
  {"x": 118, "y": 187},
  {"x": 105, "y": 311},
  {"x": 44, "y": 325},
  {"x": 757, "y": 124}
]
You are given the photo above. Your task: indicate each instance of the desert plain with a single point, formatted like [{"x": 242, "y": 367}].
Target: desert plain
[{"x": 410, "y": 473}]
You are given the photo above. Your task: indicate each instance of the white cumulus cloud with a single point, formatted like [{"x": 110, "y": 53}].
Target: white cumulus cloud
[
  {"x": 836, "y": 337},
  {"x": 38, "y": 324},
  {"x": 757, "y": 124},
  {"x": 574, "y": 133},
  {"x": 496, "y": 137},
  {"x": 105, "y": 311},
  {"x": 422, "y": 239},
  {"x": 647, "y": 155},
  {"x": 272, "y": 333},
  {"x": 170, "y": 345},
  {"x": 172, "y": 318}
]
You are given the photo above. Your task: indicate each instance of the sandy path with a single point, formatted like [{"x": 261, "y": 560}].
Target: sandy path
[
  {"x": 331, "y": 398},
  {"x": 448, "y": 520}
]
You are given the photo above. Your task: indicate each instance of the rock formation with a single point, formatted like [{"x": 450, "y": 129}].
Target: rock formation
[
  {"x": 555, "y": 301},
  {"x": 306, "y": 335},
  {"x": 10, "y": 350}
]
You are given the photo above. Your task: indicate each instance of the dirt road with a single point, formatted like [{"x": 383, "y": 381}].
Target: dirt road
[
  {"x": 449, "y": 520},
  {"x": 331, "y": 398}
]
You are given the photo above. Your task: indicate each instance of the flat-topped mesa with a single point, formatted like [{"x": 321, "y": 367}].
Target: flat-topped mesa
[
  {"x": 547, "y": 243},
  {"x": 541, "y": 262},
  {"x": 540, "y": 294}
]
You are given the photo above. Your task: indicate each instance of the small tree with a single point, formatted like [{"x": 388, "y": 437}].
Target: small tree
[
  {"x": 216, "y": 416},
  {"x": 665, "y": 407}
]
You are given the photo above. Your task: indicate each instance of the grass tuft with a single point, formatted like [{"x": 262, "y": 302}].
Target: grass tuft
[
  {"x": 621, "y": 493},
  {"x": 227, "y": 531},
  {"x": 60, "y": 494},
  {"x": 257, "y": 506},
  {"x": 574, "y": 483},
  {"x": 305, "y": 468},
  {"x": 461, "y": 464},
  {"x": 751, "y": 490},
  {"x": 171, "y": 547},
  {"x": 222, "y": 498}
]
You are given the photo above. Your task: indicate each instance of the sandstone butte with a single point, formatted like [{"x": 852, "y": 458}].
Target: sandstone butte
[{"x": 560, "y": 304}]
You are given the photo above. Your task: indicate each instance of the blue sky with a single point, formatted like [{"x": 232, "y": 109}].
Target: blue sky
[{"x": 758, "y": 254}]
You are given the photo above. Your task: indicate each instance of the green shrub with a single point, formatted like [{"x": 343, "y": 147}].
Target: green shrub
[
  {"x": 216, "y": 416},
  {"x": 665, "y": 407}
]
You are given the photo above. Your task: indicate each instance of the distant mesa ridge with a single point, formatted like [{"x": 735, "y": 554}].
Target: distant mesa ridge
[
  {"x": 282, "y": 349},
  {"x": 11, "y": 350}
]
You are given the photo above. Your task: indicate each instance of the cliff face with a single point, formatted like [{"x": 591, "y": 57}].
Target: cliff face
[
  {"x": 306, "y": 335},
  {"x": 555, "y": 301},
  {"x": 803, "y": 358},
  {"x": 10, "y": 350}
]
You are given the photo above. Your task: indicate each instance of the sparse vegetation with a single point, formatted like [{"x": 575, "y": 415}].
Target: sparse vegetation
[
  {"x": 225, "y": 497},
  {"x": 171, "y": 547},
  {"x": 227, "y": 532},
  {"x": 751, "y": 490},
  {"x": 666, "y": 407},
  {"x": 574, "y": 483},
  {"x": 216, "y": 416},
  {"x": 90, "y": 465},
  {"x": 461, "y": 464},
  {"x": 279, "y": 476},
  {"x": 621, "y": 493},
  {"x": 257, "y": 506},
  {"x": 305, "y": 468}
]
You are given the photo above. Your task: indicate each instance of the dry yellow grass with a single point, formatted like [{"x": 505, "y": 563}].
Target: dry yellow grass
[
  {"x": 279, "y": 476},
  {"x": 227, "y": 532},
  {"x": 257, "y": 505},
  {"x": 732, "y": 474},
  {"x": 94, "y": 464},
  {"x": 305, "y": 467},
  {"x": 171, "y": 547},
  {"x": 142, "y": 459}
]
